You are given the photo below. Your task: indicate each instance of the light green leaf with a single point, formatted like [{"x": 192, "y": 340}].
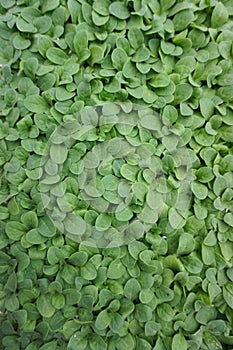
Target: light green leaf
[
  {"x": 186, "y": 243},
  {"x": 56, "y": 56},
  {"x": 77, "y": 342},
  {"x": 119, "y": 10},
  {"x": 175, "y": 218},
  {"x": 103, "y": 320},
  {"x": 199, "y": 190},
  {"x": 58, "y": 153},
  {"x": 116, "y": 323},
  {"x": 30, "y": 219},
  {"x": 15, "y": 230},
  {"x": 49, "y": 5},
  {"x": 36, "y": 104},
  {"x": 103, "y": 222},
  {"x": 219, "y": 15},
  {"x": 116, "y": 269},
  {"x": 135, "y": 37},
  {"x": 46, "y": 227},
  {"x": 75, "y": 225},
  {"x": 44, "y": 305},
  {"x": 182, "y": 93},
  {"x": 179, "y": 342},
  {"x": 119, "y": 57},
  {"x": 101, "y": 7},
  {"x": 151, "y": 122},
  {"x": 132, "y": 289},
  {"x": 228, "y": 218}
]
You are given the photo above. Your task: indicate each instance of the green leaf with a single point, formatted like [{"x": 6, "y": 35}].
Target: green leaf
[
  {"x": 143, "y": 313},
  {"x": 43, "y": 24},
  {"x": 146, "y": 296},
  {"x": 182, "y": 19},
  {"x": 169, "y": 115},
  {"x": 36, "y": 104},
  {"x": 148, "y": 215},
  {"x": 129, "y": 172},
  {"x": 119, "y": 57},
  {"x": 116, "y": 323},
  {"x": 77, "y": 342},
  {"x": 165, "y": 312},
  {"x": 135, "y": 248},
  {"x": 226, "y": 163},
  {"x": 116, "y": 269},
  {"x": 101, "y": 7},
  {"x": 75, "y": 225},
  {"x": 58, "y": 301},
  {"x": 34, "y": 237},
  {"x": 11, "y": 284},
  {"x": 80, "y": 41},
  {"x": 126, "y": 342},
  {"x": 114, "y": 86},
  {"x": 127, "y": 307},
  {"x": 13, "y": 206},
  {"x": 228, "y": 294},
  {"x": 211, "y": 341},
  {"x": 142, "y": 54},
  {"x": 99, "y": 20},
  {"x": 72, "y": 296},
  {"x": 79, "y": 258},
  {"x": 135, "y": 37},
  {"x": 219, "y": 15},
  {"x": 103, "y": 222},
  {"x": 56, "y": 55},
  {"x": 228, "y": 218},
  {"x": 186, "y": 244},
  {"x": 63, "y": 95},
  {"x": 24, "y": 26},
  {"x": 152, "y": 328},
  {"x": 119, "y": 10},
  {"x": 88, "y": 271},
  {"x": 151, "y": 122},
  {"x": 58, "y": 153},
  {"x": 143, "y": 344},
  {"x": 12, "y": 303},
  {"x": 226, "y": 133},
  {"x": 192, "y": 264},
  {"x": 97, "y": 343},
  {"x": 47, "y": 5},
  {"x": 205, "y": 174},
  {"x": 97, "y": 54},
  {"x": 20, "y": 43},
  {"x": 30, "y": 219},
  {"x": 132, "y": 289},
  {"x": 206, "y": 107},
  {"x": 46, "y": 227},
  {"x": 103, "y": 320},
  {"x": 175, "y": 218},
  {"x": 182, "y": 93},
  {"x": 123, "y": 213},
  {"x": 15, "y": 230},
  {"x": 199, "y": 190},
  {"x": 179, "y": 342},
  {"x": 160, "y": 80},
  {"x": 44, "y": 305},
  {"x": 139, "y": 190}
]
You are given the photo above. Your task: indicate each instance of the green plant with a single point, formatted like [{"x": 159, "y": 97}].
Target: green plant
[{"x": 116, "y": 175}]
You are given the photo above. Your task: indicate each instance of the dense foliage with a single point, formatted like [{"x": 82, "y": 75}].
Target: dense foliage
[{"x": 116, "y": 212}]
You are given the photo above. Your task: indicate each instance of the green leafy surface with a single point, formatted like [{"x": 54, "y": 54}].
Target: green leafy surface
[{"x": 116, "y": 180}]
